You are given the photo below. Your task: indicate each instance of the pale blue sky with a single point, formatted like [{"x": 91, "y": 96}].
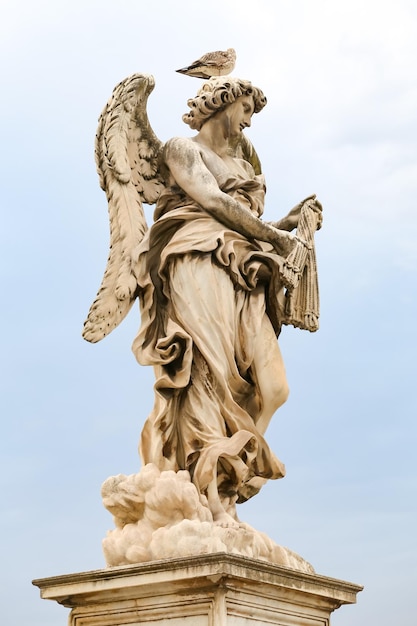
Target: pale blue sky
[{"x": 341, "y": 121}]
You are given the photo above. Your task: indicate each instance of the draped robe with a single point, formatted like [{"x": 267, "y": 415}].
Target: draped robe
[{"x": 205, "y": 291}]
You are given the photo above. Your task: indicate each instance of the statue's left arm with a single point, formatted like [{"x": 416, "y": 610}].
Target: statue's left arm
[{"x": 290, "y": 221}]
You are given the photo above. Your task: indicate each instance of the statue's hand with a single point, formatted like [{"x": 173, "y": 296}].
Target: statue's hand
[
  {"x": 290, "y": 221},
  {"x": 317, "y": 207},
  {"x": 283, "y": 242}
]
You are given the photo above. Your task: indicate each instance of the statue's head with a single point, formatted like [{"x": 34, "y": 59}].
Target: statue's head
[{"x": 216, "y": 94}]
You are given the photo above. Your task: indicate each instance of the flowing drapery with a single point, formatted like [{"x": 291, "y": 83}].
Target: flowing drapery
[{"x": 205, "y": 291}]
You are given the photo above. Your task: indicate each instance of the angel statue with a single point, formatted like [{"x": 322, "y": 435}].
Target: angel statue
[{"x": 215, "y": 284}]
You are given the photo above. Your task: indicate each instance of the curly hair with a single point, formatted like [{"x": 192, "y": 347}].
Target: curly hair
[{"x": 216, "y": 94}]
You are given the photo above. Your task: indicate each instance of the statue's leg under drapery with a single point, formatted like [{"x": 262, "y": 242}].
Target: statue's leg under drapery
[
  {"x": 268, "y": 367},
  {"x": 230, "y": 328}
]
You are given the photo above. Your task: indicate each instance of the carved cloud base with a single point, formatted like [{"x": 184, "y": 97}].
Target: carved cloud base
[
  {"x": 210, "y": 590},
  {"x": 160, "y": 515}
]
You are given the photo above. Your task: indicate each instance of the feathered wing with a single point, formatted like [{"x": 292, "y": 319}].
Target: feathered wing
[{"x": 127, "y": 155}]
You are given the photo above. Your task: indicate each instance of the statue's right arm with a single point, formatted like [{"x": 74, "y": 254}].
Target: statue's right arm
[{"x": 185, "y": 163}]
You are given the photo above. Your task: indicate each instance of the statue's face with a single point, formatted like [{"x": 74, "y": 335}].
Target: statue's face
[{"x": 239, "y": 114}]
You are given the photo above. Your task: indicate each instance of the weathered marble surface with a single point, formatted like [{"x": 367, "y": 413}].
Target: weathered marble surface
[
  {"x": 215, "y": 284},
  {"x": 212, "y": 590}
]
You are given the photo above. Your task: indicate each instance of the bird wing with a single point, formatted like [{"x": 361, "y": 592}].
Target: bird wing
[
  {"x": 210, "y": 59},
  {"x": 127, "y": 154}
]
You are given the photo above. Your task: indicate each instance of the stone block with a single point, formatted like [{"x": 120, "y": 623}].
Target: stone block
[{"x": 207, "y": 590}]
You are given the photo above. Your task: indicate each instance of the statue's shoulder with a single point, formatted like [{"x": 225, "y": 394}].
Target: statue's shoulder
[
  {"x": 180, "y": 143},
  {"x": 182, "y": 150}
]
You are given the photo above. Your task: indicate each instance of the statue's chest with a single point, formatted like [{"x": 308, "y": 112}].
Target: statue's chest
[{"x": 224, "y": 167}]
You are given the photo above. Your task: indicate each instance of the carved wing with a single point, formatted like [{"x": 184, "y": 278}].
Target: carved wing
[{"x": 127, "y": 154}]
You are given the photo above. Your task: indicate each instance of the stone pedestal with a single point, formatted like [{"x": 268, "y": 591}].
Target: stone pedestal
[{"x": 210, "y": 590}]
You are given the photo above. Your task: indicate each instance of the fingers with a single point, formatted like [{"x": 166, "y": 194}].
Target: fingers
[
  {"x": 299, "y": 206},
  {"x": 318, "y": 205}
]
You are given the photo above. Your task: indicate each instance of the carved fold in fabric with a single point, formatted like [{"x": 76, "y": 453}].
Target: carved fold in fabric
[{"x": 204, "y": 292}]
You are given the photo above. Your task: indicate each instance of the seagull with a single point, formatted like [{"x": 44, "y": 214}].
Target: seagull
[{"x": 217, "y": 63}]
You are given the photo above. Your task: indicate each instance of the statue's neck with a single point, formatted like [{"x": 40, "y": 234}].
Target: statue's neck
[{"x": 215, "y": 134}]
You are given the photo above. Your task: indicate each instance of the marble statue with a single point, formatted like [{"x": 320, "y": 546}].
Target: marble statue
[{"x": 215, "y": 283}]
